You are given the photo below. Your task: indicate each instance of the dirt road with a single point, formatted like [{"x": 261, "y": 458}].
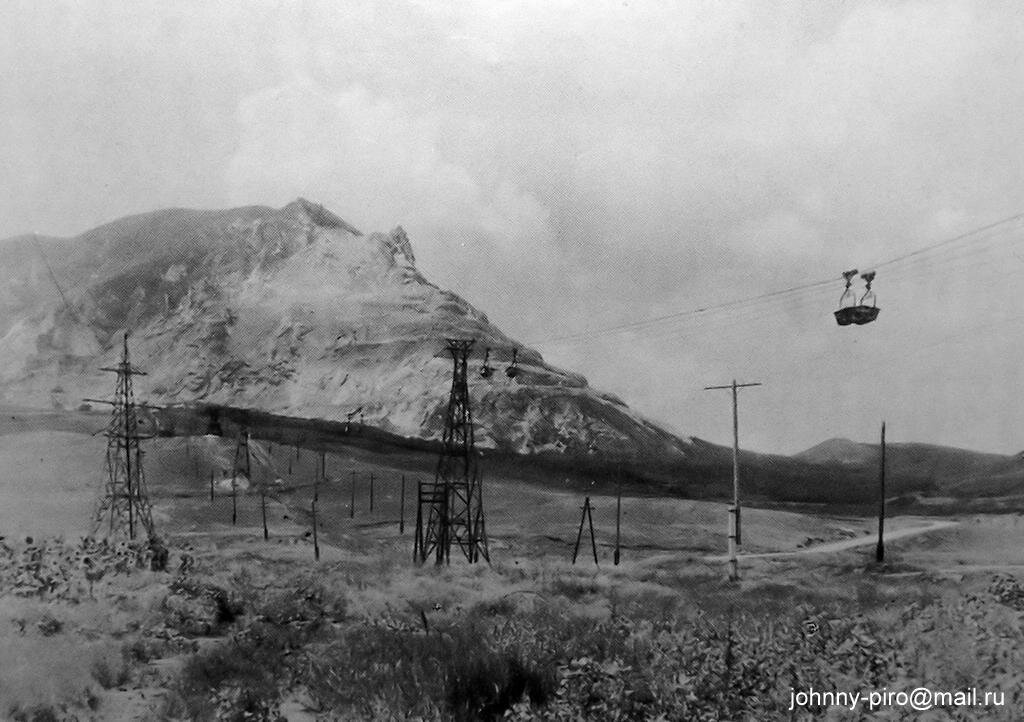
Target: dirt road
[{"x": 844, "y": 544}]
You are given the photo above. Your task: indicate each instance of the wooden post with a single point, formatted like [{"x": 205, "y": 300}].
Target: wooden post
[
  {"x": 586, "y": 516},
  {"x": 593, "y": 541},
  {"x": 579, "y": 532},
  {"x": 316, "y": 543},
  {"x": 371, "y": 492},
  {"x": 734, "y": 510},
  {"x": 880, "y": 549},
  {"x": 352, "y": 501},
  {"x": 211, "y": 486},
  {"x": 401, "y": 513},
  {"x": 263, "y": 507},
  {"x": 234, "y": 500},
  {"x": 618, "y": 520}
]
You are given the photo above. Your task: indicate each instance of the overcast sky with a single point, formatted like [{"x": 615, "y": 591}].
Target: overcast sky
[{"x": 570, "y": 167}]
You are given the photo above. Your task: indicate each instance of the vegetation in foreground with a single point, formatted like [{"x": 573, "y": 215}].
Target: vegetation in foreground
[{"x": 237, "y": 636}]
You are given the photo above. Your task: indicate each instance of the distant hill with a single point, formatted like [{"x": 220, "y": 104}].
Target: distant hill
[{"x": 928, "y": 468}]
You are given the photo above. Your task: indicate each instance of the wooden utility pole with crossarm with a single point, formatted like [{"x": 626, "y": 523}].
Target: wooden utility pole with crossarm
[{"x": 734, "y": 511}]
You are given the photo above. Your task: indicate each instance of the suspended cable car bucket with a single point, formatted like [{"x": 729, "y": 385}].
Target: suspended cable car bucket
[
  {"x": 513, "y": 368},
  {"x": 865, "y": 314},
  {"x": 848, "y": 301},
  {"x": 852, "y": 311},
  {"x": 845, "y": 316}
]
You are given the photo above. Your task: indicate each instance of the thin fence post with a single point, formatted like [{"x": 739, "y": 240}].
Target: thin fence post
[
  {"x": 263, "y": 507},
  {"x": 316, "y": 542},
  {"x": 401, "y": 514},
  {"x": 579, "y": 533},
  {"x": 593, "y": 541},
  {"x": 618, "y": 521}
]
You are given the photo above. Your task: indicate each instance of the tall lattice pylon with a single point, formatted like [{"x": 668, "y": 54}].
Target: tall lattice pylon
[
  {"x": 240, "y": 467},
  {"x": 451, "y": 509},
  {"x": 125, "y": 504}
]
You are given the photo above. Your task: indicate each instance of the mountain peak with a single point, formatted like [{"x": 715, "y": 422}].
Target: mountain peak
[
  {"x": 397, "y": 242},
  {"x": 318, "y": 215}
]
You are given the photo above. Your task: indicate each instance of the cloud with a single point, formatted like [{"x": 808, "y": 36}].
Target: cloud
[{"x": 571, "y": 166}]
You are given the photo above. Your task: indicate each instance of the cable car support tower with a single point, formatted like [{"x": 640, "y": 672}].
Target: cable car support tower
[
  {"x": 125, "y": 505},
  {"x": 451, "y": 509}
]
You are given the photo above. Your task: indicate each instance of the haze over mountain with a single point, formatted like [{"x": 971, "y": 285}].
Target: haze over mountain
[{"x": 291, "y": 311}]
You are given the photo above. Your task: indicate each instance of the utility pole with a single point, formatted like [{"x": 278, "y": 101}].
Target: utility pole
[
  {"x": 371, "y": 492},
  {"x": 880, "y": 549},
  {"x": 618, "y": 518},
  {"x": 316, "y": 543},
  {"x": 352, "y": 501},
  {"x": 451, "y": 509},
  {"x": 242, "y": 464},
  {"x": 263, "y": 508},
  {"x": 734, "y": 511},
  {"x": 401, "y": 513},
  {"x": 125, "y": 498}
]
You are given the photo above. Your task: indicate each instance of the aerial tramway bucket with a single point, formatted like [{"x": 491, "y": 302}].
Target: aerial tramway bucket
[{"x": 852, "y": 311}]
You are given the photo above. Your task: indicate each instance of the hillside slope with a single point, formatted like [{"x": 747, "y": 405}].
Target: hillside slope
[{"x": 290, "y": 311}]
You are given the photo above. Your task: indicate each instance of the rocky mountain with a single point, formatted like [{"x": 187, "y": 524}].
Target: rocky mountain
[{"x": 291, "y": 311}]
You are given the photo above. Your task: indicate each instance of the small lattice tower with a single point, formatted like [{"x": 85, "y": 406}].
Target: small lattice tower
[
  {"x": 451, "y": 509},
  {"x": 125, "y": 505}
]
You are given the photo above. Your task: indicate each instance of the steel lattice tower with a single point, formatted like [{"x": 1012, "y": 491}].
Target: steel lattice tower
[
  {"x": 125, "y": 502},
  {"x": 451, "y": 509}
]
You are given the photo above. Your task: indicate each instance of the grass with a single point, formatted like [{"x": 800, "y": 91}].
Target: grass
[{"x": 253, "y": 628}]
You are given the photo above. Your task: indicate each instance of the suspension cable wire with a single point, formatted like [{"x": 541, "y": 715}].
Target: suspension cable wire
[{"x": 918, "y": 257}]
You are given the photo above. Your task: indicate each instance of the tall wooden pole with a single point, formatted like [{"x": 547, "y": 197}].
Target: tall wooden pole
[
  {"x": 593, "y": 540},
  {"x": 734, "y": 511},
  {"x": 371, "y": 492},
  {"x": 263, "y": 508},
  {"x": 316, "y": 543},
  {"x": 579, "y": 534},
  {"x": 618, "y": 520},
  {"x": 234, "y": 500},
  {"x": 401, "y": 513},
  {"x": 211, "y": 486},
  {"x": 880, "y": 549},
  {"x": 352, "y": 501}
]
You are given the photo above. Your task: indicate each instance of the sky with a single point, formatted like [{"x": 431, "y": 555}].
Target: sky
[{"x": 570, "y": 168}]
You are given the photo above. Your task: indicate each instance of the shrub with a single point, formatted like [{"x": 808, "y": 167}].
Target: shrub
[
  {"x": 110, "y": 674},
  {"x": 457, "y": 669}
]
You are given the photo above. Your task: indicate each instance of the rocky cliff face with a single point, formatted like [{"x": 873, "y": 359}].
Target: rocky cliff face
[{"x": 291, "y": 311}]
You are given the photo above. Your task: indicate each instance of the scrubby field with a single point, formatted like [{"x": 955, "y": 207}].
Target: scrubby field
[
  {"x": 244, "y": 630},
  {"x": 240, "y": 628}
]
